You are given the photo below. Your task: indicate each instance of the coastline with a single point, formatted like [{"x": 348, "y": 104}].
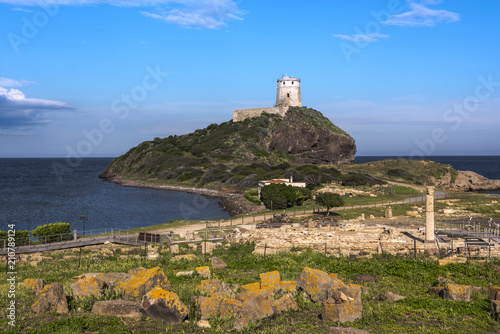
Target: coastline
[{"x": 234, "y": 204}]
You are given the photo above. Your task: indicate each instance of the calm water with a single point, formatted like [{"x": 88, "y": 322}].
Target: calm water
[{"x": 33, "y": 193}]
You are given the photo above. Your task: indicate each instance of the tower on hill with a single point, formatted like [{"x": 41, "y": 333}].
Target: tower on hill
[
  {"x": 288, "y": 96},
  {"x": 288, "y": 92}
]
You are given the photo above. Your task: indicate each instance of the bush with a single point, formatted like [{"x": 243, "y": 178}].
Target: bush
[
  {"x": 52, "y": 231},
  {"x": 283, "y": 196},
  {"x": 20, "y": 236},
  {"x": 252, "y": 199}
]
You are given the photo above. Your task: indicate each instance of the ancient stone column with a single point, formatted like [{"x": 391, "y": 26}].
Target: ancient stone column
[{"x": 429, "y": 216}]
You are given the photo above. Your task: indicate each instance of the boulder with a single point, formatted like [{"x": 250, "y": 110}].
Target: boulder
[
  {"x": 105, "y": 279},
  {"x": 203, "y": 271},
  {"x": 351, "y": 290},
  {"x": 457, "y": 292},
  {"x": 389, "y": 296},
  {"x": 209, "y": 306},
  {"x": 256, "y": 308},
  {"x": 118, "y": 308},
  {"x": 285, "y": 303},
  {"x": 165, "y": 305},
  {"x": 142, "y": 281},
  {"x": 270, "y": 280},
  {"x": 246, "y": 295},
  {"x": 86, "y": 287},
  {"x": 250, "y": 287},
  {"x": 365, "y": 278},
  {"x": 174, "y": 249},
  {"x": 218, "y": 264},
  {"x": 210, "y": 286},
  {"x": 34, "y": 284},
  {"x": 346, "y": 311},
  {"x": 230, "y": 308},
  {"x": 51, "y": 298},
  {"x": 346, "y": 330},
  {"x": 316, "y": 283}
]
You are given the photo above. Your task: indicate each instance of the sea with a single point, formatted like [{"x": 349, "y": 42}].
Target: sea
[{"x": 34, "y": 192}]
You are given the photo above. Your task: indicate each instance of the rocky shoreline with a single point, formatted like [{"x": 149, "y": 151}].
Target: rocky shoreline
[{"x": 234, "y": 204}]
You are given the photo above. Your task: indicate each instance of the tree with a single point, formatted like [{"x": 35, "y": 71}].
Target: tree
[{"x": 329, "y": 200}]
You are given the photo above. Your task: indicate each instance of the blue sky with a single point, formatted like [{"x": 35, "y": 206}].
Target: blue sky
[{"x": 82, "y": 78}]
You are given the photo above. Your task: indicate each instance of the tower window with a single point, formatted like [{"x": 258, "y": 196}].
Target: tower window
[
  {"x": 292, "y": 82},
  {"x": 288, "y": 94}
]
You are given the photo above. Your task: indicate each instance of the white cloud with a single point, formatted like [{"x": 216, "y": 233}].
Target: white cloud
[
  {"x": 421, "y": 16},
  {"x": 209, "y": 14},
  {"x": 17, "y": 111},
  {"x": 362, "y": 37},
  {"x": 6, "y": 82}
]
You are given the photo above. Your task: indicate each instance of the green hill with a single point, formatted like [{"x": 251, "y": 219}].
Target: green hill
[{"x": 303, "y": 136}]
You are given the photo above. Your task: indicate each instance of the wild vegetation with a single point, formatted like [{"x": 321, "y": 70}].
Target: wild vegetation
[{"x": 420, "y": 312}]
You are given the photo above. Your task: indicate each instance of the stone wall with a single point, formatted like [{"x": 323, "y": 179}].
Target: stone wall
[{"x": 242, "y": 114}]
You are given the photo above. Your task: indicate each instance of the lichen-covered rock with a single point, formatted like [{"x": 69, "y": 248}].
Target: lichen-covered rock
[
  {"x": 457, "y": 292},
  {"x": 230, "y": 308},
  {"x": 165, "y": 305},
  {"x": 218, "y": 264},
  {"x": 347, "y": 311},
  {"x": 289, "y": 286},
  {"x": 51, "y": 298},
  {"x": 270, "y": 280},
  {"x": 210, "y": 286},
  {"x": 256, "y": 308},
  {"x": 209, "y": 306},
  {"x": 333, "y": 275},
  {"x": 105, "y": 279},
  {"x": 316, "y": 283},
  {"x": 285, "y": 303},
  {"x": 118, "y": 308},
  {"x": 346, "y": 330},
  {"x": 246, "y": 295},
  {"x": 203, "y": 271},
  {"x": 250, "y": 287},
  {"x": 34, "y": 284},
  {"x": 351, "y": 290},
  {"x": 493, "y": 292},
  {"x": 86, "y": 287},
  {"x": 141, "y": 282}
]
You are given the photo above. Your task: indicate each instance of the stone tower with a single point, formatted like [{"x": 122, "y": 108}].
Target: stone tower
[{"x": 288, "y": 93}]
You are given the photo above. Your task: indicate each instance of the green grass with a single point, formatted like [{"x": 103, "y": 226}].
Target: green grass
[{"x": 419, "y": 313}]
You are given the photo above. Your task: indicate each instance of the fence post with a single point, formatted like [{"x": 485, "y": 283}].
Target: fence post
[
  {"x": 415, "y": 248},
  {"x": 265, "y": 249}
]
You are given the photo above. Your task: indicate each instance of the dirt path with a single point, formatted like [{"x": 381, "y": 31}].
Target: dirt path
[{"x": 413, "y": 186}]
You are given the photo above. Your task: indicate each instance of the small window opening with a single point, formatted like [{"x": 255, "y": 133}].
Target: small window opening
[
  {"x": 292, "y": 82},
  {"x": 288, "y": 94}
]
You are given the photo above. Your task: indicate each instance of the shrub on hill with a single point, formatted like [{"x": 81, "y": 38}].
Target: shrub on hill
[{"x": 53, "y": 231}]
